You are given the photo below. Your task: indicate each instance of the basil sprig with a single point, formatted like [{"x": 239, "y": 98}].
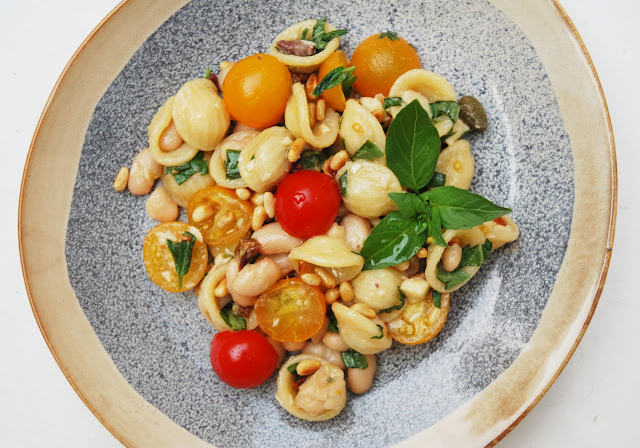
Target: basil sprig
[
  {"x": 319, "y": 37},
  {"x": 183, "y": 172},
  {"x": 181, "y": 253},
  {"x": 338, "y": 76},
  {"x": 231, "y": 164},
  {"x": 353, "y": 359},
  {"x": 412, "y": 150}
]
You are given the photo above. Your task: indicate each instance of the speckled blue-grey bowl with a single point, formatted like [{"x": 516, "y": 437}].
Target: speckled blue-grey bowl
[{"x": 526, "y": 160}]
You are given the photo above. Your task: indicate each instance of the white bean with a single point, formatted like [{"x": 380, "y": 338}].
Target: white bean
[
  {"x": 160, "y": 206},
  {"x": 170, "y": 140},
  {"x": 324, "y": 352},
  {"x": 323, "y": 330},
  {"x": 274, "y": 240},
  {"x": 282, "y": 260},
  {"x": 334, "y": 342},
  {"x": 360, "y": 380},
  {"x": 254, "y": 279},
  {"x": 451, "y": 257},
  {"x": 357, "y": 229},
  {"x": 144, "y": 171},
  {"x": 294, "y": 346}
]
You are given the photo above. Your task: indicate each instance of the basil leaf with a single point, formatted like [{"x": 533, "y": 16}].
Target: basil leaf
[
  {"x": 437, "y": 299},
  {"x": 353, "y": 359},
  {"x": 381, "y": 333},
  {"x": 395, "y": 307},
  {"x": 321, "y": 38},
  {"x": 368, "y": 151},
  {"x": 234, "y": 322},
  {"x": 392, "y": 101},
  {"x": 292, "y": 370},
  {"x": 343, "y": 183},
  {"x": 449, "y": 108},
  {"x": 389, "y": 35},
  {"x": 333, "y": 322},
  {"x": 475, "y": 256},
  {"x": 461, "y": 209},
  {"x": 437, "y": 180},
  {"x": 183, "y": 172},
  {"x": 181, "y": 253},
  {"x": 434, "y": 230},
  {"x": 309, "y": 160},
  {"x": 451, "y": 279},
  {"x": 413, "y": 146},
  {"x": 231, "y": 164},
  {"x": 333, "y": 79},
  {"x": 391, "y": 242},
  {"x": 409, "y": 205}
]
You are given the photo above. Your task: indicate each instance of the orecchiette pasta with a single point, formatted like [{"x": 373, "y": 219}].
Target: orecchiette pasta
[
  {"x": 378, "y": 289},
  {"x": 423, "y": 85},
  {"x": 500, "y": 231},
  {"x": 263, "y": 161},
  {"x": 359, "y": 125},
  {"x": 158, "y": 124},
  {"x": 296, "y": 117},
  {"x": 218, "y": 163},
  {"x": 200, "y": 115},
  {"x": 328, "y": 252},
  {"x": 209, "y": 304},
  {"x": 457, "y": 164},
  {"x": 364, "y": 335},
  {"x": 182, "y": 192}
]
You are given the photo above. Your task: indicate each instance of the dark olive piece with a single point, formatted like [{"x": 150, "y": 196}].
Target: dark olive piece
[{"x": 472, "y": 113}]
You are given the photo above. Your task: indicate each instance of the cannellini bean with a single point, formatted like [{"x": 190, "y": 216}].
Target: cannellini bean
[
  {"x": 360, "y": 380},
  {"x": 254, "y": 279},
  {"x": 323, "y": 330},
  {"x": 280, "y": 351},
  {"x": 144, "y": 171},
  {"x": 324, "y": 352},
  {"x": 283, "y": 261},
  {"x": 160, "y": 206},
  {"x": 451, "y": 257},
  {"x": 170, "y": 140},
  {"x": 294, "y": 346},
  {"x": 274, "y": 240},
  {"x": 335, "y": 342},
  {"x": 357, "y": 229}
]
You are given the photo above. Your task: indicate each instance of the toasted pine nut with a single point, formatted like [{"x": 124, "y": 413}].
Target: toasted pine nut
[
  {"x": 402, "y": 266},
  {"x": 338, "y": 160},
  {"x": 296, "y": 148},
  {"x": 243, "y": 193},
  {"x": 380, "y": 114},
  {"x": 259, "y": 215},
  {"x": 202, "y": 212},
  {"x": 363, "y": 309},
  {"x": 308, "y": 367},
  {"x": 311, "y": 279},
  {"x": 331, "y": 296},
  {"x": 346, "y": 291},
  {"x": 170, "y": 140},
  {"x": 121, "y": 179},
  {"x": 269, "y": 204},
  {"x": 225, "y": 220},
  {"x": 357, "y": 127},
  {"x": 451, "y": 257},
  {"x": 327, "y": 278},
  {"x": 433, "y": 316},
  {"x": 257, "y": 199},
  {"x": 321, "y": 107},
  {"x": 312, "y": 115},
  {"x": 422, "y": 253},
  {"x": 311, "y": 84},
  {"x": 221, "y": 289},
  {"x": 326, "y": 167}
]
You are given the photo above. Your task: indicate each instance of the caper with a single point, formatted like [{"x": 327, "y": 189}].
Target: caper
[{"x": 472, "y": 113}]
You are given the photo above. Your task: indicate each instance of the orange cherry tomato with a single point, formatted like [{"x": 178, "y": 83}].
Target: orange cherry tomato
[
  {"x": 380, "y": 59},
  {"x": 420, "y": 322},
  {"x": 256, "y": 90},
  {"x": 291, "y": 310},
  {"x": 160, "y": 262},
  {"x": 220, "y": 215},
  {"x": 334, "y": 96}
]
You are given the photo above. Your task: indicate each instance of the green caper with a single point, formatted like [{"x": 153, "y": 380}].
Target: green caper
[{"x": 472, "y": 113}]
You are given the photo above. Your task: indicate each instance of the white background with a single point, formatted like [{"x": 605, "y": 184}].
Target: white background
[{"x": 593, "y": 403}]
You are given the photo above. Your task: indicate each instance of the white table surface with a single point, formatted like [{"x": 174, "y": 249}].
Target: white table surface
[{"x": 593, "y": 403}]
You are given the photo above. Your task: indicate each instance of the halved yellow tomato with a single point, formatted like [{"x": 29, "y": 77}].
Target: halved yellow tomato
[
  {"x": 420, "y": 322},
  {"x": 291, "y": 310},
  {"x": 163, "y": 267},
  {"x": 220, "y": 215},
  {"x": 334, "y": 96}
]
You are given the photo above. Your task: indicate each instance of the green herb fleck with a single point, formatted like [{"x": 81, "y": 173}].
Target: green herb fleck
[
  {"x": 475, "y": 256},
  {"x": 231, "y": 164},
  {"x": 451, "y": 279},
  {"x": 304, "y": 34},
  {"x": 310, "y": 160},
  {"x": 389, "y": 35},
  {"x": 181, "y": 253},
  {"x": 292, "y": 370},
  {"x": 330, "y": 379},
  {"x": 183, "y": 172},
  {"x": 207, "y": 74},
  {"x": 354, "y": 360},
  {"x": 395, "y": 307},
  {"x": 368, "y": 151},
  {"x": 234, "y": 322},
  {"x": 321, "y": 38},
  {"x": 437, "y": 299},
  {"x": 379, "y": 336},
  {"x": 438, "y": 180},
  {"x": 392, "y": 101},
  {"x": 448, "y": 108},
  {"x": 336, "y": 77},
  {"x": 333, "y": 322},
  {"x": 343, "y": 183}
]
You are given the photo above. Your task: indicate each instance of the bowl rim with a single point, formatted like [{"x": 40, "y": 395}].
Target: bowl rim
[{"x": 97, "y": 407}]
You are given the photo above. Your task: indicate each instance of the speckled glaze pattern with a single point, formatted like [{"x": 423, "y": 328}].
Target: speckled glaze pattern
[{"x": 160, "y": 342}]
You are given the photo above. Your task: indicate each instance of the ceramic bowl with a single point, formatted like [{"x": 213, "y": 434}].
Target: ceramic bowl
[{"x": 138, "y": 356}]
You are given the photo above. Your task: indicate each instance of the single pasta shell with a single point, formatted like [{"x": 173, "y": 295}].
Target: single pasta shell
[
  {"x": 430, "y": 85},
  {"x": 359, "y": 125},
  {"x": 378, "y": 288},
  {"x": 360, "y": 332},
  {"x": 181, "y": 193},
  {"x": 501, "y": 231},
  {"x": 457, "y": 164},
  {"x": 236, "y": 141},
  {"x": 159, "y": 123},
  {"x": 435, "y": 254},
  {"x": 328, "y": 252},
  {"x": 263, "y": 162},
  {"x": 296, "y": 118}
]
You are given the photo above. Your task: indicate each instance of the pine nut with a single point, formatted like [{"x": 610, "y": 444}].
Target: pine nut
[
  {"x": 326, "y": 167},
  {"x": 422, "y": 253},
  {"x": 269, "y": 203},
  {"x": 221, "y": 289},
  {"x": 311, "y": 279},
  {"x": 363, "y": 309},
  {"x": 243, "y": 193},
  {"x": 304, "y": 267},
  {"x": 225, "y": 220},
  {"x": 328, "y": 280},
  {"x": 312, "y": 115},
  {"x": 120, "y": 183},
  {"x": 402, "y": 266},
  {"x": 202, "y": 212},
  {"x": 331, "y": 296},
  {"x": 308, "y": 367},
  {"x": 296, "y": 148},
  {"x": 311, "y": 84},
  {"x": 346, "y": 291},
  {"x": 451, "y": 257},
  {"x": 321, "y": 107},
  {"x": 338, "y": 160},
  {"x": 257, "y": 199},
  {"x": 433, "y": 316},
  {"x": 259, "y": 215}
]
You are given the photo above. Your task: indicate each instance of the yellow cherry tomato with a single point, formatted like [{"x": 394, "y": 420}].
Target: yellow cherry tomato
[
  {"x": 160, "y": 262},
  {"x": 420, "y": 322},
  {"x": 220, "y": 215},
  {"x": 380, "y": 59},
  {"x": 256, "y": 90},
  {"x": 291, "y": 310},
  {"x": 334, "y": 96}
]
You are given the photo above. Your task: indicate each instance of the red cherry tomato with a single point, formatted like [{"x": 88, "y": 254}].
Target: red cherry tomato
[
  {"x": 242, "y": 359},
  {"x": 307, "y": 203}
]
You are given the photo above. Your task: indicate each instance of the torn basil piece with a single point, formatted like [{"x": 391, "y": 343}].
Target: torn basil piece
[
  {"x": 354, "y": 360},
  {"x": 181, "y": 252},
  {"x": 234, "y": 322},
  {"x": 448, "y": 108},
  {"x": 231, "y": 164},
  {"x": 379, "y": 336},
  {"x": 392, "y": 101},
  {"x": 343, "y": 183},
  {"x": 183, "y": 172}
]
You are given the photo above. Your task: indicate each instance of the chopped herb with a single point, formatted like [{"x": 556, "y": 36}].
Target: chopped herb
[
  {"x": 392, "y": 101},
  {"x": 304, "y": 34},
  {"x": 207, "y": 74},
  {"x": 181, "y": 253},
  {"x": 321, "y": 38},
  {"x": 437, "y": 299},
  {"x": 476, "y": 255},
  {"x": 343, "y": 183},
  {"x": 379, "y": 335},
  {"x": 437, "y": 180},
  {"x": 389, "y": 35},
  {"x": 292, "y": 370},
  {"x": 368, "y": 151},
  {"x": 334, "y": 78},
  {"x": 333, "y": 322},
  {"x": 353, "y": 359},
  {"x": 231, "y": 164},
  {"x": 395, "y": 307},
  {"x": 330, "y": 380},
  {"x": 310, "y": 160},
  {"x": 448, "y": 108},
  {"x": 234, "y": 322},
  {"x": 451, "y": 279},
  {"x": 183, "y": 172}
]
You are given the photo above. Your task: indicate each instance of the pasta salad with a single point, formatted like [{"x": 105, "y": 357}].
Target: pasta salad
[{"x": 327, "y": 208}]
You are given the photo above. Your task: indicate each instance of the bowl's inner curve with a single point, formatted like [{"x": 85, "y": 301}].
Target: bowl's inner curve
[{"x": 160, "y": 342}]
